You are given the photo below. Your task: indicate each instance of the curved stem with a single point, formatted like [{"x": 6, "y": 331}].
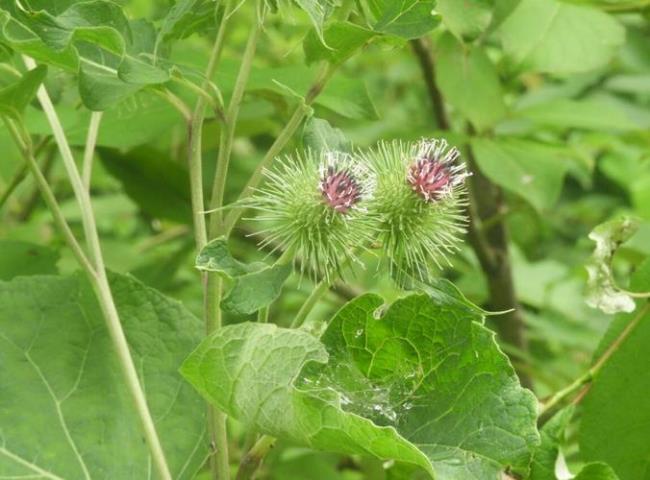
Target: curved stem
[
  {"x": 50, "y": 199},
  {"x": 13, "y": 185},
  {"x": 587, "y": 377},
  {"x": 101, "y": 286},
  {"x": 219, "y": 462},
  {"x": 280, "y": 142},
  {"x": 89, "y": 151},
  {"x": 228, "y": 131},
  {"x": 253, "y": 458},
  {"x": 175, "y": 102},
  {"x": 313, "y": 298}
]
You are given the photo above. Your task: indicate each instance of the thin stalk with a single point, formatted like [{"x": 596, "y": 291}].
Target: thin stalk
[
  {"x": 313, "y": 298},
  {"x": 22, "y": 172},
  {"x": 200, "y": 91},
  {"x": 13, "y": 185},
  {"x": 49, "y": 198},
  {"x": 31, "y": 200},
  {"x": 100, "y": 283},
  {"x": 228, "y": 130},
  {"x": 263, "y": 315},
  {"x": 89, "y": 151},
  {"x": 175, "y": 102},
  {"x": 253, "y": 458},
  {"x": 219, "y": 461},
  {"x": 196, "y": 134},
  {"x": 280, "y": 142},
  {"x": 588, "y": 376}
]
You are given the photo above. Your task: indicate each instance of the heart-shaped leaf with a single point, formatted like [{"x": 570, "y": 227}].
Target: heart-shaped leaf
[
  {"x": 94, "y": 39},
  {"x": 65, "y": 410},
  {"x": 255, "y": 285},
  {"x": 425, "y": 384}
]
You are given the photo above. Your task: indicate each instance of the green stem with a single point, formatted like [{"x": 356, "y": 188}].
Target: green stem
[
  {"x": 89, "y": 151},
  {"x": 175, "y": 102},
  {"x": 263, "y": 315},
  {"x": 316, "y": 294},
  {"x": 50, "y": 200},
  {"x": 101, "y": 286},
  {"x": 228, "y": 131},
  {"x": 219, "y": 461},
  {"x": 252, "y": 460},
  {"x": 22, "y": 172},
  {"x": 587, "y": 377},
  {"x": 13, "y": 185},
  {"x": 280, "y": 142}
]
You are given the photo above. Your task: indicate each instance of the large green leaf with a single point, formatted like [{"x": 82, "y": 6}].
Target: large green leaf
[
  {"x": 15, "y": 98},
  {"x": 529, "y": 169},
  {"x": 65, "y": 410},
  {"x": 343, "y": 40},
  {"x": 147, "y": 176},
  {"x": 318, "y": 11},
  {"x": 92, "y": 38},
  {"x": 548, "y": 458},
  {"x": 466, "y": 19},
  {"x": 318, "y": 135},
  {"x": 255, "y": 285},
  {"x": 186, "y": 17},
  {"x": 588, "y": 114},
  {"x": 469, "y": 82},
  {"x": 404, "y": 18},
  {"x": 424, "y": 384},
  {"x": 616, "y": 411},
  {"x": 16, "y": 32},
  {"x": 23, "y": 258},
  {"x": 560, "y": 37},
  {"x": 552, "y": 436}
]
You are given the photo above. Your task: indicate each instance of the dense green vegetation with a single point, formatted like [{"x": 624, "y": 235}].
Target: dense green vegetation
[{"x": 237, "y": 239}]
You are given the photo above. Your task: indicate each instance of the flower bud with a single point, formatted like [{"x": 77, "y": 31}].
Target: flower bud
[
  {"x": 314, "y": 206},
  {"x": 419, "y": 204}
]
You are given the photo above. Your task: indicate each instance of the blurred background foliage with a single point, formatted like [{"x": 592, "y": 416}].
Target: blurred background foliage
[{"x": 553, "y": 98}]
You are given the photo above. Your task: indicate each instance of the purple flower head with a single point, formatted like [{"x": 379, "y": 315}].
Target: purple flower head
[
  {"x": 343, "y": 182},
  {"x": 340, "y": 190},
  {"x": 434, "y": 173}
]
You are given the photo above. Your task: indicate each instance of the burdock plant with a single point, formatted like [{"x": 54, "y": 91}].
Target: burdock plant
[
  {"x": 408, "y": 199},
  {"x": 313, "y": 205},
  {"x": 419, "y": 204}
]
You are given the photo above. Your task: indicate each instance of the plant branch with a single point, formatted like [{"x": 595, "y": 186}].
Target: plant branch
[
  {"x": 228, "y": 131},
  {"x": 13, "y": 184},
  {"x": 313, "y": 298},
  {"x": 23, "y": 170},
  {"x": 89, "y": 151},
  {"x": 489, "y": 244},
  {"x": 31, "y": 200},
  {"x": 100, "y": 283},
  {"x": 422, "y": 50},
  {"x": 253, "y": 458},
  {"x": 281, "y": 141},
  {"x": 589, "y": 376},
  {"x": 25, "y": 148},
  {"x": 219, "y": 461}
]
